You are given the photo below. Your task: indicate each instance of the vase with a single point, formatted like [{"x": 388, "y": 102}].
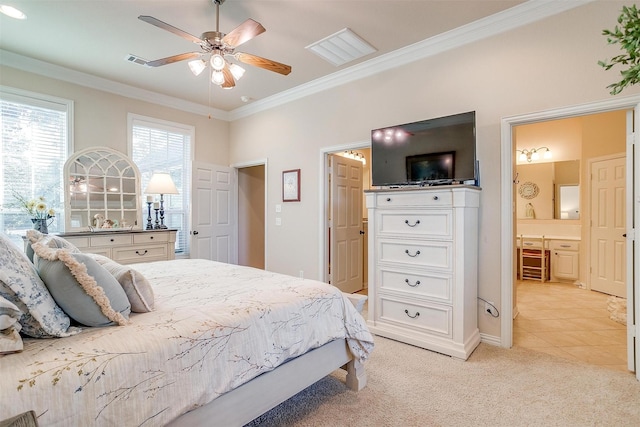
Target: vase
[{"x": 40, "y": 225}]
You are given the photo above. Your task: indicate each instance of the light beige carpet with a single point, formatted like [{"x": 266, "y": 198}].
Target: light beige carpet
[{"x": 409, "y": 386}]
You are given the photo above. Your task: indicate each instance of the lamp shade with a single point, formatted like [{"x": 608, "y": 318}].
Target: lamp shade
[{"x": 161, "y": 183}]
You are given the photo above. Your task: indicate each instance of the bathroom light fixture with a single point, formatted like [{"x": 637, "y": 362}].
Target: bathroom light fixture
[
  {"x": 350, "y": 154},
  {"x": 533, "y": 154}
]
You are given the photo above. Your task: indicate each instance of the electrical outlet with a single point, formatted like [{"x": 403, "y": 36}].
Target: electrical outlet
[{"x": 488, "y": 308}]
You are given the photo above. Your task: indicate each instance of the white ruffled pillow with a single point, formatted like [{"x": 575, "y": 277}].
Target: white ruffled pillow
[{"x": 135, "y": 285}]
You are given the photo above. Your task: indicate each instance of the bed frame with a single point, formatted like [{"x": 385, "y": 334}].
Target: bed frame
[{"x": 247, "y": 402}]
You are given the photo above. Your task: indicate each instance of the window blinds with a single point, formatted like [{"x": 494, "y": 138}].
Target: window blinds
[{"x": 158, "y": 147}]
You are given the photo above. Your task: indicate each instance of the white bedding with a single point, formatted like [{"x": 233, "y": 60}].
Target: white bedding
[{"x": 215, "y": 326}]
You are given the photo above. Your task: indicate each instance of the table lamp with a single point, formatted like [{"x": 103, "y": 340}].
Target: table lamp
[{"x": 161, "y": 183}]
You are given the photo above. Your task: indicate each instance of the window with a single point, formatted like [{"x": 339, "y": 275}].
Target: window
[
  {"x": 161, "y": 146},
  {"x": 36, "y": 137}
]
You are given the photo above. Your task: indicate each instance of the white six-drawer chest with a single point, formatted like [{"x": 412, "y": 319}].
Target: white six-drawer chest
[{"x": 423, "y": 266}]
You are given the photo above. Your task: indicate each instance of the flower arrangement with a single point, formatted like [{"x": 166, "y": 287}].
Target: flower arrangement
[{"x": 36, "y": 208}]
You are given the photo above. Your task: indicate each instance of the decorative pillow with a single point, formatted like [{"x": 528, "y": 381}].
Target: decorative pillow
[
  {"x": 87, "y": 292},
  {"x": 135, "y": 285},
  {"x": 10, "y": 340},
  {"x": 21, "y": 285},
  {"x": 49, "y": 240}
]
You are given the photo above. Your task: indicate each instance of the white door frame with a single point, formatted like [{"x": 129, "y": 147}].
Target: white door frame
[
  {"x": 248, "y": 164},
  {"x": 507, "y": 164},
  {"x": 324, "y": 201}
]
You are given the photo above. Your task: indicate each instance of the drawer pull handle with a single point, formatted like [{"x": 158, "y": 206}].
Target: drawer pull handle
[
  {"x": 412, "y": 256},
  {"x": 436, "y": 197},
  {"x": 414, "y": 316},
  {"x": 565, "y": 246},
  {"x": 406, "y": 221},
  {"x": 150, "y": 237},
  {"x": 409, "y": 283},
  {"x": 528, "y": 243},
  {"x": 388, "y": 199},
  {"x": 111, "y": 240},
  {"x": 143, "y": 253}
]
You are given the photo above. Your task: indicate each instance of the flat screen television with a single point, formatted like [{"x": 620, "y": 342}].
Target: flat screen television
[{"x": 428, "y": 152}]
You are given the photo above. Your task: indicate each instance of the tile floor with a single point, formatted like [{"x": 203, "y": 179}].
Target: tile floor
[{"x": 569, "y": 322}]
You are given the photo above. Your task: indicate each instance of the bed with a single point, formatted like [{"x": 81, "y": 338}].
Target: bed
[{"x": 222, "y": 345}]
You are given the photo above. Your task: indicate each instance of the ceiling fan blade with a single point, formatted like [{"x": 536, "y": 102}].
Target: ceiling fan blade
[
  {"x": 267, "y": 64},
  {"x": 177, "y": 31},
  {"x": 229, "y": 81},
  {"x": 243, "y": 33},
  {"x": 174, "y": 58}
]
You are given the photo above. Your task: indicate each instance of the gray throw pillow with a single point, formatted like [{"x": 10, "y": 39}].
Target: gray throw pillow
[{"x": 87, "y": 292}]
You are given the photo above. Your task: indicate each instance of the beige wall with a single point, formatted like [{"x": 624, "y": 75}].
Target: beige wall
[
  {"x": 545, "y": 65},
  {"x": 101, "y": 118}
]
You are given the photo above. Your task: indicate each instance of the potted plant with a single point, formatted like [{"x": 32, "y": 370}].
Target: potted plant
[{"x": 627, "y": 35}]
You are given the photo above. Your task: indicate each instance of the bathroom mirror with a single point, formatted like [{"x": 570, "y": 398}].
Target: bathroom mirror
[{"x": 557, "y": 194}]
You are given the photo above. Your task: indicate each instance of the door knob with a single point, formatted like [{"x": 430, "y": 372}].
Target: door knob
[
  {"x": 195, "y": 232},
  {"x": 361, "y": 231}
]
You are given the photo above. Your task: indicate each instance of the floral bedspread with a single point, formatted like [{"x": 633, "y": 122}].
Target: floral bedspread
[{"x": 215, "y": 327}]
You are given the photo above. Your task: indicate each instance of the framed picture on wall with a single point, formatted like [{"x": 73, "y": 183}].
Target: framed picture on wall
[{"x": 291, "y": 185}]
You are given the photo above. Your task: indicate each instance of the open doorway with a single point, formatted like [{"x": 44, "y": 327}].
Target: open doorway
[
  {"x": 510, "y": 192},
  {"x": 560, "y": 310},
  {"x": 351, "y": 264},
  {"x": 251, "y": 216}
]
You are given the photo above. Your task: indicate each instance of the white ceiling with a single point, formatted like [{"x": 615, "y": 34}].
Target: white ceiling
[{"x": 94, "y": 37}]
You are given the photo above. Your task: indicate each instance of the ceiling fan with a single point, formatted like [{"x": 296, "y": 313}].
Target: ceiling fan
[{"x": 216, "y": 48}]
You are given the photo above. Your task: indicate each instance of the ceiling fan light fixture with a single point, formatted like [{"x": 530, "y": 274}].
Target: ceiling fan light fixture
[
  {"x": 12, "y": 12},
  {"x": 217, "y": 62},
  {"x": 217, "y": 77},
  {"x": 197, "y": 66},
  {"x": 237, "y": 71}
]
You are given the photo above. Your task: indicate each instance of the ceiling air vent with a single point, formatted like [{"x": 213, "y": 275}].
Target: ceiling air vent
[
  {"x": 136, "y": 59},
  {"x": 341, "y": 47}
]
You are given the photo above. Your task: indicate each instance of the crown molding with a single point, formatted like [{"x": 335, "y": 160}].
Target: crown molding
[
  {"x": 525, "y": 13},
  {"x": 36, "y": 66},
  {"x": 517, "y": 16}
]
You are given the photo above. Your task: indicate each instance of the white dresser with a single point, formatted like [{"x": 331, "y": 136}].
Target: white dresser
[
  {"x": 127, "y": 247},
  {"x": 423, "y": 267}
]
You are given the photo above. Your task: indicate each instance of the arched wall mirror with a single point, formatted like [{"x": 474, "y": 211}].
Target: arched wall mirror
[
  {"x": 103, "y": 191},
  {"x": 549, "y": 190}
]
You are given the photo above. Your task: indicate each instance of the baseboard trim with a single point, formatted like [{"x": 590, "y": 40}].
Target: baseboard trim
[{"x": 490, "y": 339}]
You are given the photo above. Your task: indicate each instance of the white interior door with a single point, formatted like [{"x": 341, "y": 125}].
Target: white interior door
[
  {"x": 608, "y": 227},
  {"x": 213, "y": 215},
  {"x": 345, "y": 253}
]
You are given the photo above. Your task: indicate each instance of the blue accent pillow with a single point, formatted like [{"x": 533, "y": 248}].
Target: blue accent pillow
[{"x": 84, "y": 289}]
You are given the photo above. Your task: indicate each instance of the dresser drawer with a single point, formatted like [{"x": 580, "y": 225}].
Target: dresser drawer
[
  {"x": 429, "y": 285},
  {"x": 414, "y": 198},
  {"x": 78, "y": 242},
  {"x": 150, "y": 237},
  {"x": 433, "y": 318},
  {"x": 111, "y": 240},
  {"x": 564, "y": 245},
  {"x": 436, "y": 223},
  {"x": 434, "y": 254},
  {"x": 133, "y": 254}
]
